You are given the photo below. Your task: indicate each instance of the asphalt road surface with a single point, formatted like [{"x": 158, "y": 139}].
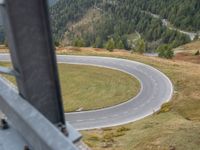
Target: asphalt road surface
[{"x": 156, "y": 89}]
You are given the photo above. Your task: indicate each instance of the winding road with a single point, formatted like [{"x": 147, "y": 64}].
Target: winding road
[
  {"x": 166, "y": 23},
  {"x": 156, "y": 89}
]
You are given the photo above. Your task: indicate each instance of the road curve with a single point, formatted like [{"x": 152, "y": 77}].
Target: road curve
[{"x": 156, "y": 89}]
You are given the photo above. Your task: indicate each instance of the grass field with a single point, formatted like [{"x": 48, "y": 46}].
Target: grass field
[
  {"x": 176, "y": 126},
  {"x": 87, "y": 87}
]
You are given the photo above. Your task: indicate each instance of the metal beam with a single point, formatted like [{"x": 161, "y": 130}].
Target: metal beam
[
  {"x": 8, "y": 71},
  {"x": 33, "y": 56},
  {"x": 31, "y": 124}
]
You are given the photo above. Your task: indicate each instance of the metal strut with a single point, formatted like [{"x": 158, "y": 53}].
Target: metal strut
[{"x": 33, "y": 56}]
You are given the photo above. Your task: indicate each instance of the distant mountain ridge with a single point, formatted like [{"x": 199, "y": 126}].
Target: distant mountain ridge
[{"x": 119, "y": 19}]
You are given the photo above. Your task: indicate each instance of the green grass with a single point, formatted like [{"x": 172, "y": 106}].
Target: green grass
[
  {"x": 87, "y": 87},
  {"x": 175, "y": 126}
]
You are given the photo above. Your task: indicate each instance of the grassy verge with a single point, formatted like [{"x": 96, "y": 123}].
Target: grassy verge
[
  {"x": 88, "y": 87},
  {"x": 176, "y": 126}
]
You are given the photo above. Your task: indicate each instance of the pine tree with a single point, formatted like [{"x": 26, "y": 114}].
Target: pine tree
[
  {"x": 79, "y": 42},
  {"x": 110, "y": 45},
  {"x": 165, "y": 51},
  {"x": 140, "y": 46},
  {"x": 119, "y": 44},
  {"x": 98, "y": 42}
]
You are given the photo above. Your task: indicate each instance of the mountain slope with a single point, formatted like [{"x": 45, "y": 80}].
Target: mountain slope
[
  {"x": 66, "y": 12},
  {"x": 119, "y": 19},
  {"x": 183, "y": 14}
]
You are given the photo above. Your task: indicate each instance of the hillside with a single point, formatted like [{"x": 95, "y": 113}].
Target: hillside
[
  {"x": 175, "y": 127},
  {"x": 120, "y": 19},
  {"x": 189, "y": 52},
  {"x": 183, "y": 14},
  {"x": 189, "y": 47}
]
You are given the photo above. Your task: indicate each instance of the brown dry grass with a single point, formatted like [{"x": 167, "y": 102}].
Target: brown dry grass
[
  {"x": 86, "y": 50},
  {"x": 190, "y": 47},
  {"x": 3, "y": 49},
  {"x": 187, "y": 52},
  {"x": 177, "y": 125},
  {"x": 187, "y": 56}
]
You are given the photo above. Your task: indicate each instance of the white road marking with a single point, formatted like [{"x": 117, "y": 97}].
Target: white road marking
[
  {"x": 79, "y": 120},
  {"x": 144, "y": 71}
]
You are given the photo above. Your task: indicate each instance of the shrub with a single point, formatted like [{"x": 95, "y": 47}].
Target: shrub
[
  {"x": 165, "y": 51},
  {"x": 118, "y": 134},
  {"x": 108, "y": 137},
  {"x": 197, "y": 53},
  {"x": 94, "y": 138},
  {"x": 79, "y": 42},
  {"x": 166, "y": 107},
  {"x": 122, "y": 129}
]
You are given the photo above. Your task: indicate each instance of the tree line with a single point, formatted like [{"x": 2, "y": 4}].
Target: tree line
[{"x": 122, "y": 18}]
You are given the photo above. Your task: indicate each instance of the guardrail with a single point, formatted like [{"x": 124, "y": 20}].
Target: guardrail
[
  {"x": 31, "y": 124},
  {"x": 36, "y": 109}
]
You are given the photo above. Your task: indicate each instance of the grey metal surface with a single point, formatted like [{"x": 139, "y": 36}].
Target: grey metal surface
[
  {"x": 29, "y": 123},
  {"x": 156, "y": 90},
  {"x": 32, "y": 53},
  {"x": 50, "y": 2},
  {"x": 1, "y": 16},
  {"x": 11, "y": 140},
  {"x": 8, "y": 71},
  {"x": 74, "y": 135}
]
